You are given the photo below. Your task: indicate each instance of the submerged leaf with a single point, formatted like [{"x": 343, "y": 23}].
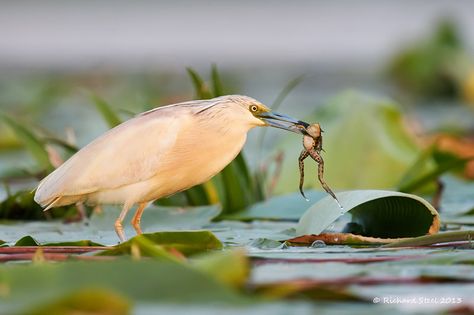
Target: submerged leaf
[{"x": 265, "y": 243}]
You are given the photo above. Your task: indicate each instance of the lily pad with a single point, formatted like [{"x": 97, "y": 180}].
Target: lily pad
[
  {"x": 375, "y": 213},
  {"x": 86, "y": 301},
  {"x": 139, "y": 281},
  {"x": 159, "y": 217},
  {"x": 186, "y": 242},
  {"x": 30, "y": 241},
  {"x": 139, "y": 246},
  {"x": 228, "y": 267},
  {"x": 286, "y": 207},
  {"x": 27, "y": 241}
]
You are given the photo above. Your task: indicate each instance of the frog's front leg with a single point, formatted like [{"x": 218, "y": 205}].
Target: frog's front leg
[
  {"x": 304, "y": 154},
  {"x": 319, "y": 144}
]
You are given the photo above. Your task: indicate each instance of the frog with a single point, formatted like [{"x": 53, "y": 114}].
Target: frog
[{"x": 313, "y": 146}]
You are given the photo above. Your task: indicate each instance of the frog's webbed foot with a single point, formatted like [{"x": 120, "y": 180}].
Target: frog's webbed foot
[{"x": 303, "y": 155}]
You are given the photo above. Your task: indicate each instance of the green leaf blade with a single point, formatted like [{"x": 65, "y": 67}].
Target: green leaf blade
[
  {"x": 200, "y": 87},
  {"x": 32, "y": 143},
  {"x": 106, "y": 111}
]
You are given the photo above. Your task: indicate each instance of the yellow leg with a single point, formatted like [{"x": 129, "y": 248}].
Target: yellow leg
[
  {"x": 137, "y": 217},
  {"x": 118, "y": 222}
]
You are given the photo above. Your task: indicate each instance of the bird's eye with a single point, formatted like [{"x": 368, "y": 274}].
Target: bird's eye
[{"x": 254, "y": 108}]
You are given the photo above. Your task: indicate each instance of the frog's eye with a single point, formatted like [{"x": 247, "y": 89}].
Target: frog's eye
[{"x": 253, "y": 108}]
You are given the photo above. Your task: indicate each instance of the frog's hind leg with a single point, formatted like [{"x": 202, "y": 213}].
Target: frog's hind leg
[
  {"x": 317, "y": 157},
  {"x": 304, "y": 154}
]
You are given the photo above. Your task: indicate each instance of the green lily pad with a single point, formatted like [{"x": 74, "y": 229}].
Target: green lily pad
[
  {"x": 30, "y": 241},
  {"x": 186, "y": 242},
  {"x": 375, "y": 213},
  {"x": 230, "y": 267},
  {"x": 74, "y": 243},
  {"x": 286, "y": 207},
  {"x": 27, "y": 241},
  {"x": 86, "y": 301},
  {"x": 139, "y": 281},
  {"x": 139, "y": 246}
]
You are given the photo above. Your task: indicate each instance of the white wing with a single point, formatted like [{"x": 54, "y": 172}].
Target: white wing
[{"x": 126, "y": 154}]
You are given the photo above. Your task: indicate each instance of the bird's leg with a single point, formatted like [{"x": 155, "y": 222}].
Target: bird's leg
[
  {"x": 315, "y": 155},
  {"x": 304, "y": 154},
  {"x": 118, "y": 222},
  {"x": 137, "y": 217}
]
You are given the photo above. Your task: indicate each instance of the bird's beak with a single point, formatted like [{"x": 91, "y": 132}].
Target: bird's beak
[{"x": 284, "y": 122}]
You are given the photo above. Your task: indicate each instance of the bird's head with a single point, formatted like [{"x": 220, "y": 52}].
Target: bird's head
[{"x": 260, "y": 115}]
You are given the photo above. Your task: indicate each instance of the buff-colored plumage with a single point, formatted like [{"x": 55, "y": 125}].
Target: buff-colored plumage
[{"x": 155, "y": 154}]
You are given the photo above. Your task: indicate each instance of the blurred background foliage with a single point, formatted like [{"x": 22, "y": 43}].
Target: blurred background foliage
[
  {"x": 438, "y": 66},
  {"x": 370, "y": 141}
]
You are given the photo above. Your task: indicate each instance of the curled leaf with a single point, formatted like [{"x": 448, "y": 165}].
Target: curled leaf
[{"x": 375, "y": 213}]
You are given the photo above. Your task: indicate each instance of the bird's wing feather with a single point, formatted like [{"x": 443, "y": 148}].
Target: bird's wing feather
[{"x": 127, "y": 154}]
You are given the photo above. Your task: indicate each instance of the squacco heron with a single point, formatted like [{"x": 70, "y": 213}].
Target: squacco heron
[{"x": 157, "y": 154}]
